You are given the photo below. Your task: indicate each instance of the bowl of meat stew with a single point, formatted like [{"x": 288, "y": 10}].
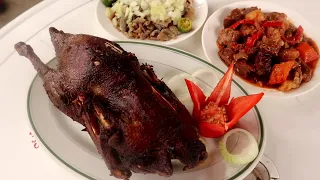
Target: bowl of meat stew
[
  {"x": 164, "y": 22},
  {"x": 274, "y": 49}
]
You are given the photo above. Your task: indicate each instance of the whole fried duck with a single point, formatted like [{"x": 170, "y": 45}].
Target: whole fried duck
[{"x": 135, "y": 121}]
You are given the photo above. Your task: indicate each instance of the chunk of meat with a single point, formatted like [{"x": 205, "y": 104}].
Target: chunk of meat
[
  {"x": 228, "y": 36},
  {"x": 295, "y": 83},
  {"x": 250, "y": 9},
  {"x": 255, "y": 49},
  {"x": 145, "y": 34},
  {"x": 237, "y": 47},
  {"x": 273, "y": 16},
  {"x": 306, "y": 70},
  {"x": 174, "y": 30},
  {"x": 256, "y": 15},
  {"x": 241, "y": 55},
  {"x": 139, "y": 21},
  {"x": 280, "y": 72},
  {"x": 276, "y": 16},
  {"x": 227, "y": 55},
  {"x": 290, "y": 31},
  {"x": 248, "y": 30},
  {"x": 162, "y": 24},
  {"x": 271, "y": 43},
  {"x": 288, "y": 85},
  {"x": 149, "y": 25},
  {"x": 122, "y": 24},
  {"x": 242, "y": 68},
  {"x": 288, "y": 54},
  {"x": 166, "y": 34},
  {"x": 263, "y": 64},
  {"x": 155, "y": 33},
  {"x": 189, "y": 10},
  {"x": 235, "y": 15}
]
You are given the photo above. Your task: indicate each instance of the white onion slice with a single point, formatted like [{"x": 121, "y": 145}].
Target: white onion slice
[
  {"x": 207, "y": 76},
  {"x": 202, "y": 77},
  {"x": 244, "y": 147},
  {"x": 178, "y": 85}
]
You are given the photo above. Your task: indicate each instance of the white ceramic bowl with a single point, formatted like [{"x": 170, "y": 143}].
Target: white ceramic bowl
[
  {"x": 215, "y": 23},
  {"x": 201, "y": 10}
]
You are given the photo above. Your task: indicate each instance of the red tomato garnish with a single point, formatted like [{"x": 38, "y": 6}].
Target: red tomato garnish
[
  {"x": 214, "y": 115},
  {"x": 221, "y": 93},
  {"x": 239, "y": 106},
  {"x": 197, "y": 96},
  {"x": 307, "y": 53}
]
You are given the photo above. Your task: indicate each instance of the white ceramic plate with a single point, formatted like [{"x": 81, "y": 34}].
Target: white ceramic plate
[
  {"x": 201, "y": 10},
  {"x": 74, "y": 148},
  {"x": 215, "y": 23}
]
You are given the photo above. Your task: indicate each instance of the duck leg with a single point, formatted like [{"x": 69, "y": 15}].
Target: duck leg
[{"x": 68, "y": 103}]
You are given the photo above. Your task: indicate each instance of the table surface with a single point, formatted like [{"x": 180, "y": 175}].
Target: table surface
[{"x": 292, "y": 142}]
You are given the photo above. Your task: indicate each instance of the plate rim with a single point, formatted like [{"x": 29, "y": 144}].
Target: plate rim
[
  {"x": 165, "y": 43},
  {"x": 242, "y": 173}
]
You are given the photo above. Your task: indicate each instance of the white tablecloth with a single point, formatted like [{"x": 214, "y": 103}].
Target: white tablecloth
[{"x": 292, "y": 141}]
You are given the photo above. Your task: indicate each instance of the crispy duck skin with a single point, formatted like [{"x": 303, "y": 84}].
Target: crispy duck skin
[{"x": 135, "y": 121}]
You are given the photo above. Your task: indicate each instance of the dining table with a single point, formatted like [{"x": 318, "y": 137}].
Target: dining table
[{"x": 292, "y": 142}]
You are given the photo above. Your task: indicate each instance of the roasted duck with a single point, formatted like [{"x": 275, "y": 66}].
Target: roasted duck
[{"x": 135, "y": 121}]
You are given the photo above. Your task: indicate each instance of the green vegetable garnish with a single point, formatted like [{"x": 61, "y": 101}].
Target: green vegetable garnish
[
  {"x": 184, "y": 25},
  {"x": 108, "y": 3}
]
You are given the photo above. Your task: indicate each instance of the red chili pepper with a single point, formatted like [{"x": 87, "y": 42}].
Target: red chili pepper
[
  {"x": 252, "y": 40},
  {"x": 197, "y": 96},
  {"x": 272, "y": 24},
  {"x": 298, "y": 35},
  {"x": 243, "y": 21},
  {"x": 216, "y": 115}
]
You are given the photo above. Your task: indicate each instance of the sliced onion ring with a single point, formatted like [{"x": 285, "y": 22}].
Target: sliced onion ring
[
  {"x": 208, "y": 76},
  {"x": 177, "y": 83},
  {"x": 246, "y": 152}
]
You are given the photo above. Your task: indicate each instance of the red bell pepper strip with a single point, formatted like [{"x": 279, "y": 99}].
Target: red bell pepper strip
[
  {"x": 307, "y": 53},
  {"x": 298, "y": 35},
  {"x": 252, "y": 40},
  {"x": 197, "y": 96},
  {"x": 272, "y": 24},
  {"x": 211, "y": 130},
  {"x": 221, "y": 93},
  {"x": 243, "y": 21},
  {"x": 215, "y": 116},
  {"x": 239, "y": 106}
]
